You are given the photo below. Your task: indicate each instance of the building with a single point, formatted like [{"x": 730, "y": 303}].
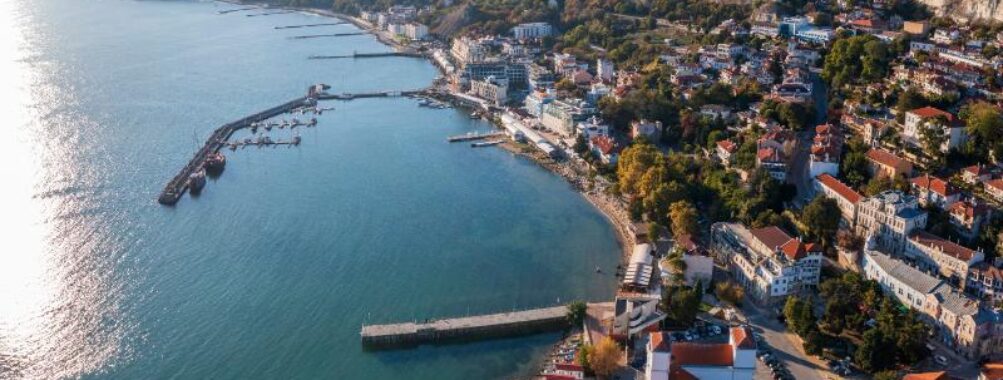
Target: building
[
  {"x": 889, "y": 218},
  {"x": 933, "y": 253},
  {"x": 532, "y": 30},
  {"x": 492, "y": 89},
  {"x": 466, "y": 50},
  {"x": 640, "y": 268},
  {"x": 935, "y": 191},
  {"x": 976, "y": 174},
  {"x": 846, "y": 198},
  {"x": 635, "y": 314},
  {"x": 540, "y": 77},
  {"x": 535, "y": 101},
  {"x": 592, "y": 127},
  {"x": 991, "y": 371},
  {"x": 699, "y": 263},
  {"x": 916, "y": 28},
  {"x": 668, "y": 360},
  {"x": 958, "y": 321},
  {"x": 994, "y": 189},
  {"x": 985, "y": 281},
  {"x": 605, "y": 70},
  {"x": 941, "y": 375},
  {"x": 726, "y": 150},
  {"x": 648, "y": 129},
  {"x": 564, "y": 371},
  {"x": 920, "y": 118},
  {"x": 415, "y": 31},
  {"x": 825, "y": 151},
  {"x": 561, "y": 116},
  {"x": 768, "y": 262},
  {"x": 967, "y": 218},
  {"x": 606, "y": 148},
  {"x": 884, "y": 163}
]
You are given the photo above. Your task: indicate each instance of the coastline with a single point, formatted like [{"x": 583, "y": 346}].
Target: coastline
[{"x": 612, "y": 208}]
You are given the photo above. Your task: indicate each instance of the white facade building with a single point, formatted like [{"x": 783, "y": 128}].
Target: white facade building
[
  {"x": 532, "y": 30},
  {"x": 890, "y": 217}
]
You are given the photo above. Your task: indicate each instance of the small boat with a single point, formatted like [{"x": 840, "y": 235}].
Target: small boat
[
  {"x": 296, "y": 140},
  {"x": 215, "y": 162},
  {"x": 196, "y": 181},
  {"x": 475, "y": 115},
  {"x": 598, "y": 270}
]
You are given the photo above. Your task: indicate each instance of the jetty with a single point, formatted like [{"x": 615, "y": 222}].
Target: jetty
[
  {"x": 378, "y": 94},
  {"x": 225, "y": 11},
  {"x": 309, "y": 36},
  {"x": 311, "y": 25},
  {"x": 269, "y": 13},
  {"x": 368, "y": 55},
  {"x": 179, "y": 183},
  {"x": 403, "y": 335},
  {"x": 474, "y": 136}
]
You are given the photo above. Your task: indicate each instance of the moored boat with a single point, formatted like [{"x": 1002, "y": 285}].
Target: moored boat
[{"x": 196, "y": 181}]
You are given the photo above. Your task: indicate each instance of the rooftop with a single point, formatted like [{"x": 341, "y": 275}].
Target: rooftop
[
  {"x": 884, "y": 157},
  {"x": 905, "y": 274},
  {"x": 949, "y": 248},
  {"x": 839, "y": 187},
  {"x": 935, "y": 184}
]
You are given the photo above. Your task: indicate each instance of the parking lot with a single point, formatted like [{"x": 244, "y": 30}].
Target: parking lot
[{"x": 784, "y": 347}]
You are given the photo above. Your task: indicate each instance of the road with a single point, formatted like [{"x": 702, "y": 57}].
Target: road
[
  {"x": 786, "y": 346},
  {"x": 798, "y": 174}
]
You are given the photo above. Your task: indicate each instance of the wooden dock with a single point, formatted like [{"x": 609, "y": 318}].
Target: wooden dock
[{"x": 403, "y": 335}]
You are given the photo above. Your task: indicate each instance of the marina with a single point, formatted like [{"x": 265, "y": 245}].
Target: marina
[{"x": 404, "y": 335}]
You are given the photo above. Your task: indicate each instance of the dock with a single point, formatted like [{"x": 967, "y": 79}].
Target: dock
[
  {"x": 368, "y": 55},
  {"x": 269, "y": 13},
  {"x": 179, "y": 183},
  {"x": 474, "y": 136},
  {"x": 311, "y": 25},
  {"x": 378, "y": 94},
  {"x": 310, "y": 36},
  {"x": 403, "y": 335}
]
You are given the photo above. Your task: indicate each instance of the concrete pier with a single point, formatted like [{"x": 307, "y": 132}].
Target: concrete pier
[
  {"x": 310, "y": 36},
  {"x": 403, "y": 335},
  {"x": 368, "y": 55},
  {"x": 179, "y": 184},
  {"x": 311, "y": 25}
]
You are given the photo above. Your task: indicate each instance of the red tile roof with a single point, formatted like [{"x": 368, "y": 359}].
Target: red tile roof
[
  {"x": 927, "y": 376},
  {"x": 839, "y": 187},
  {"x": 996, "y": 183},
  {"x": 660, "y": 341},
  {"x": 728, "y": 146},
  {"x": 568, "y": 367},
  {"x": 934, "y": 184},
  {"x": 977, "y": 170},
  {"x": 685, "y": 353},
  {"x": 605, "y": 144},
  {"x": 985, "y": 269},
  {"x": 949, "y": 248},
  {"x": 884, "y": 157},
  {"x": 992, "y": 371},
  {"x": 741, "y": 337},
  {"x": 967, "y": 209},
  {"x": 772, "y": 237},
  {"x": 928, "y": 112}
]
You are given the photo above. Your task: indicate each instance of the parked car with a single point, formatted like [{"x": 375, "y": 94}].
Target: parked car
[{"x": 940, "y": 359}]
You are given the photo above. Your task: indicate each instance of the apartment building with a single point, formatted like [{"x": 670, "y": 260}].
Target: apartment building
[
  {"x": 768, "y": 262},
  {"x": 890, "y": 217}
]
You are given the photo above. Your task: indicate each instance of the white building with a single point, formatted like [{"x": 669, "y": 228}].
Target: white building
[
  {"x": 532, "y": 30},
  {"x": 415, "y": 31},
  {"x": 768, "y": 262},
  {"x": 466, "y": 50},
  {"x": 846, "y": 198},
  {"x": 920, "y": 118},
  {"x": 494, "y": 90},
  {"x": 890, "y": 217},
  {"x": 934, "y": 253},
  {"x": 909, "y": 285},
  {"x": 605, "y": 70},
  {"x": 735, "y": 360}
]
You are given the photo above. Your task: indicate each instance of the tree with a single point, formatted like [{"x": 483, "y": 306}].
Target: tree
[
  {"x": 576, "y": 313},
  {"x": 886, "y": 375},
  {"x": 634, "y": 164},
  {"x": 875, "y": 353},
  {"x": 584, "y": 356},
  {"x": 729, "y": 292},
  {"x": 933, "y": 136},
  {"x": 681, "y": 303},
  {"x": 684, "y": 219},
  {"x": 814, "y": 341},
  {"x": 605, "y": 357},
  {"x": 821, "y": 217},
  {"x": 985, "y": 125}
]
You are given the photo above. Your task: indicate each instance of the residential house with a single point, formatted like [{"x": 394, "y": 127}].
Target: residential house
[
  {"x": 726, "y": 150},
  {"x": 668, "y": 360},
  {"x": 606, "y": 148},
  {"x": 885, "y": 163},
  {"x": 967, "y": 217},
  {"x": 985, "y": 281},
  {"x": 699, "y": 263},
  {"x": 949, "y": 259},
  {"x": 994, "y": 189},
  {"x": 935, "y": 191},
  {"x": 918, "y": 119},
  {"x": 649, "y": 129},
  {"x": 825, "y": 151},
  {"x": 890, "y": 217},
  {"x": 976, "y": 174}
]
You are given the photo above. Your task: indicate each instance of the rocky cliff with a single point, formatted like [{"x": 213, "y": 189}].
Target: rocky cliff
[{"x": 967, "y": 10}]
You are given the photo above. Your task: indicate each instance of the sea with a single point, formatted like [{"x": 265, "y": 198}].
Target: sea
[{"x": 272, "y": 270}]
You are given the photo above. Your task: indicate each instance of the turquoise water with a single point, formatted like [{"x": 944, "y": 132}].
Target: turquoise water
[{"x": 270, "y": 272}]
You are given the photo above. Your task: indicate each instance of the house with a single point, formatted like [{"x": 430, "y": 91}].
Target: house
[
  {"x": 716, "y": 111},
  {"x": 768, "y": 262},
  {"x": 889, "y": 218},
  {"x": 564, "y": 371},
  {"x": 735, "y": 360},
  {"x": 967, "y": 217},
  {"x": 885, "y": 163},
  {"x": 916, "y": 28},
  {"x": 699, "y": 263},
  {"x": 994, "y": 189},
  {"x": 635, "y": 314},
  {"x": 726, "y": 150},
  {"x": 975, "y": 174},
  {"x": 773, "y": 161},
  {"x": 649, "y": 129},
  {"x": 846, "y": 198},
  {"x": 592, "y": 127},
  {"x": 606, "y": 148},
  {"x": 640, "y": 268},
  {"x": 825, "y": 151},
  {"x": 933, "y": 190},
  {"x": 918, "y": 119},
  {"x": 985, "y": 281},
  {"x": 934, "y": 253}
]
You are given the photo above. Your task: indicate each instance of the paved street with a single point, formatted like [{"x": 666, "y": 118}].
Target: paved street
[{"x": 785, "y": 346}]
